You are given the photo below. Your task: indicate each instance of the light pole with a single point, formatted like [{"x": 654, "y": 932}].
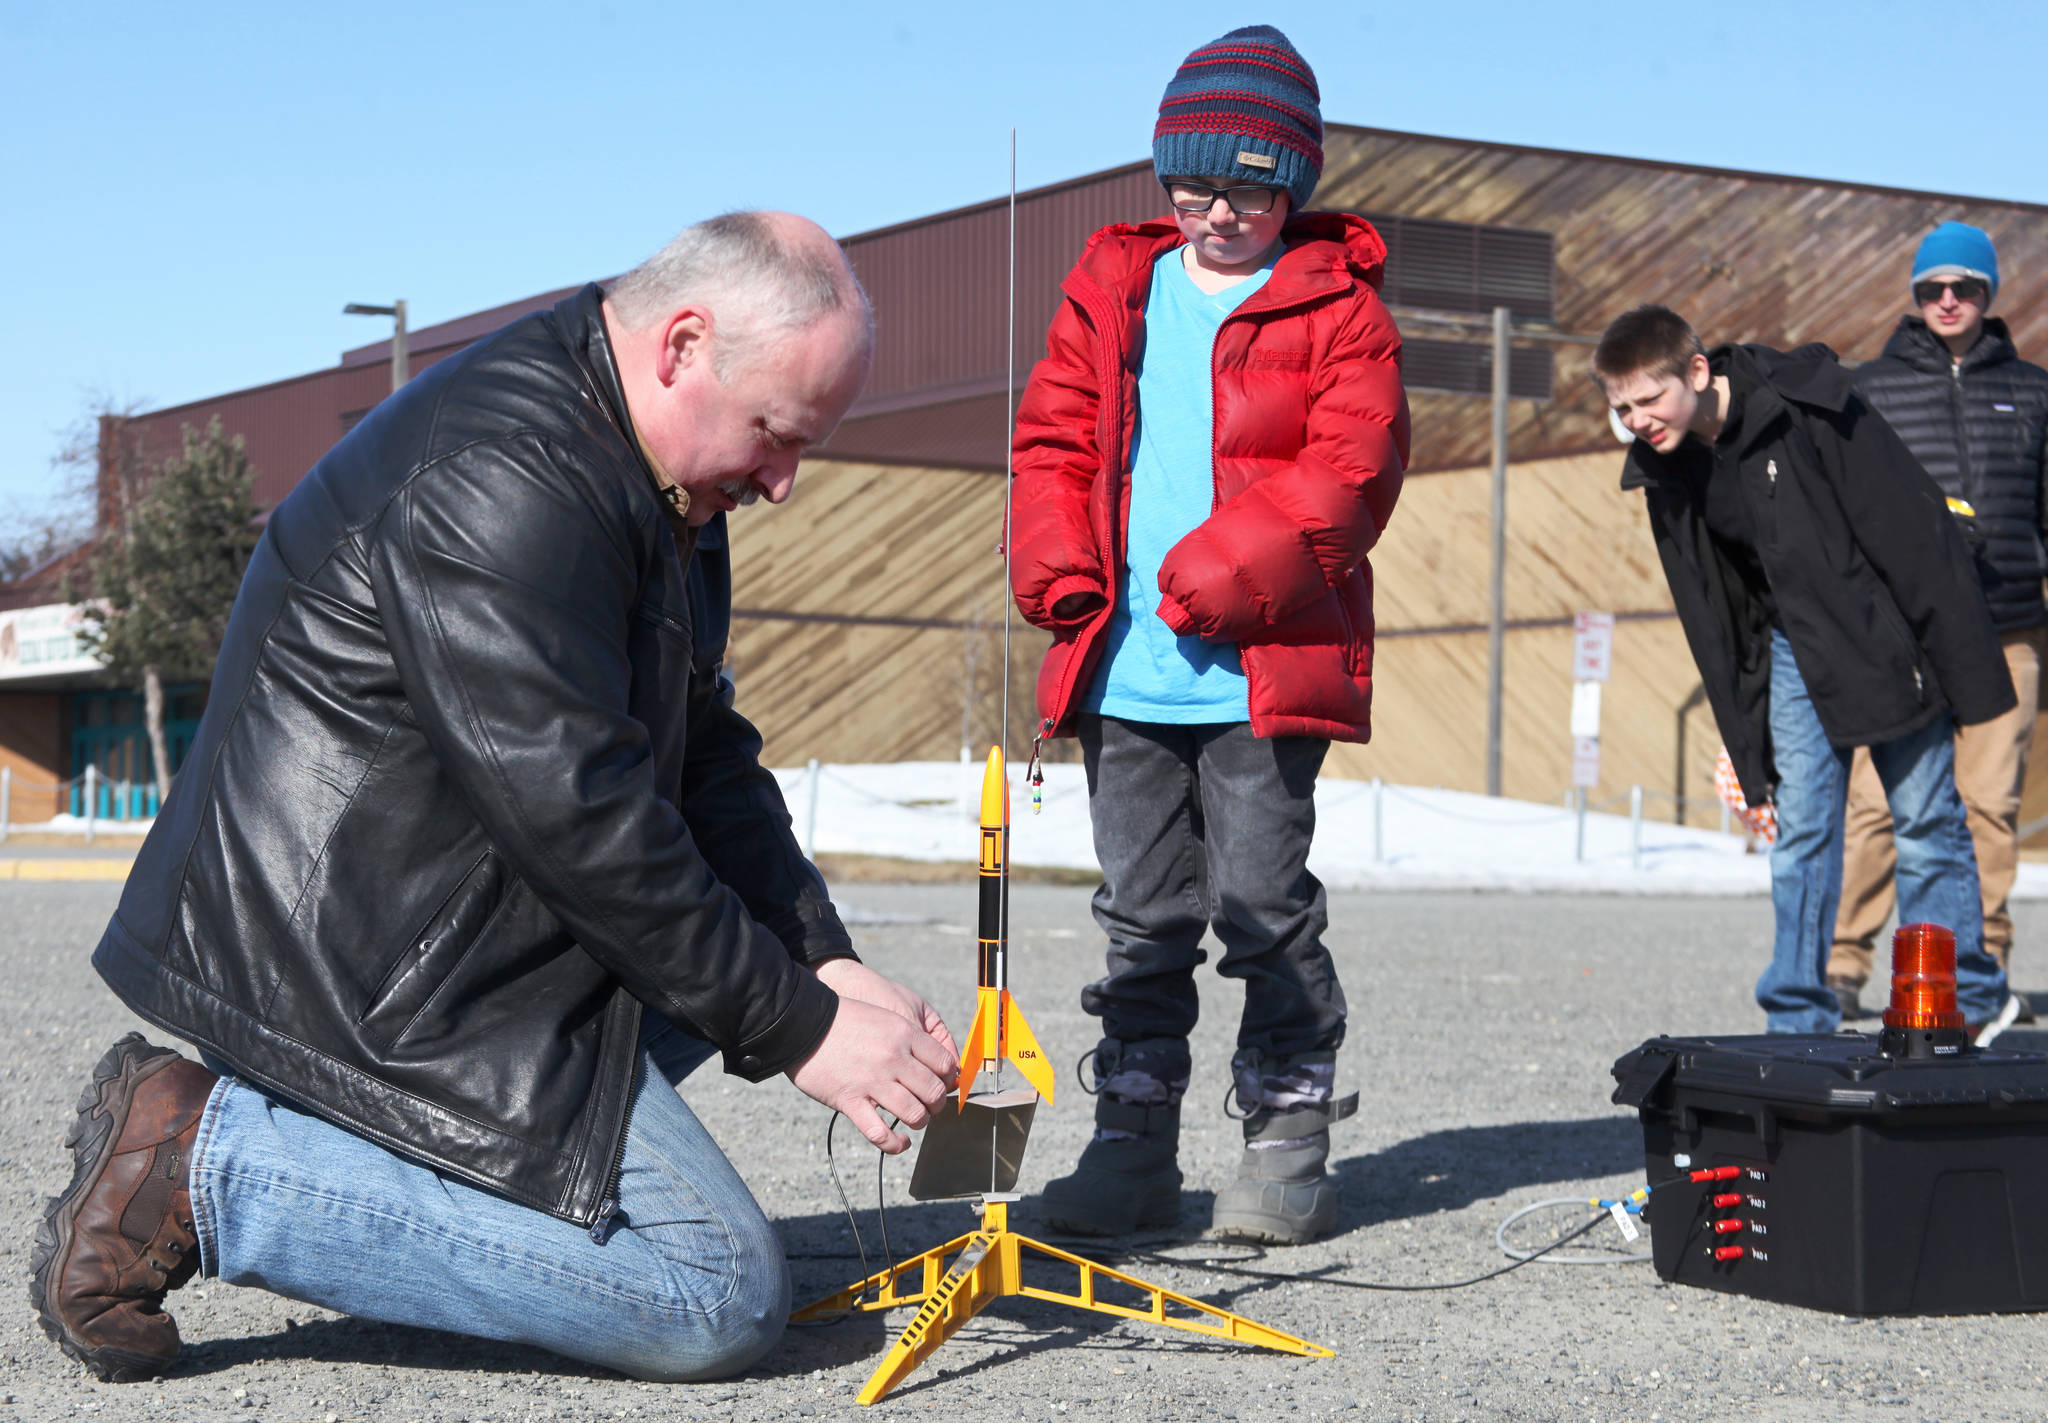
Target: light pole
[{"x": 396, "y": 311}]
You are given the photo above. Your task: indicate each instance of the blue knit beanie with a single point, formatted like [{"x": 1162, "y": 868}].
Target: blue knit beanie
[
  {"x": 1956, "y": 249},
  {"x": 1243, "y": 107}
]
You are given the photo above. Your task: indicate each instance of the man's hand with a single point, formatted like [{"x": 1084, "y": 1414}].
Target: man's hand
[
  {"x": 850, "y": 978},
  {"x": 873, "y": 1057}
]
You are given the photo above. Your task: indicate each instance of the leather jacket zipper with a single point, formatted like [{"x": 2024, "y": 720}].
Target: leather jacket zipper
[{"x": 608, "y": 1202}]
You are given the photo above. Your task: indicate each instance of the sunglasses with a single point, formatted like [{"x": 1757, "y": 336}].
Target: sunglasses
[{"x": 1965, "y": 289}]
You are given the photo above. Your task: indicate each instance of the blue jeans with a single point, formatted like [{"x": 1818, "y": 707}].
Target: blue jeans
[
  {"x": 690, "y": 1284},
  {"x": 1937, "y": 873}
]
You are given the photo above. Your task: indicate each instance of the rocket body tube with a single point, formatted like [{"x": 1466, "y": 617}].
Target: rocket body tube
[
  {"x": 993, "y": 929},
  {"x": 999, "y": 1034}
]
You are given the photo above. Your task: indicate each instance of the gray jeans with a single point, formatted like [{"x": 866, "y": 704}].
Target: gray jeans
[{"x": 1199, "y": 827}]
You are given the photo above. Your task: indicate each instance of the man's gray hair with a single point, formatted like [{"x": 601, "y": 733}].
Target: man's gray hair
[{"x": 758, "y": 286}]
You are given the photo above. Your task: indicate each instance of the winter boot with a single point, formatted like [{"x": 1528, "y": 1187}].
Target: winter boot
[
  {"x": 1282, "y": 1196},
  {"x": 1127, "y": 1178},
  {"x": 121, "y": 1234}
]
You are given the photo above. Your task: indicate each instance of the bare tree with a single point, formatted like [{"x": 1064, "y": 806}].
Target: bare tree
[
  {"x": 95, "y": 449},
  {"x": 169, "y": 561}
]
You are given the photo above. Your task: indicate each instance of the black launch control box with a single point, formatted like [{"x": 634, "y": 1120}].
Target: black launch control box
[{"x": 1844, "y": 1180}]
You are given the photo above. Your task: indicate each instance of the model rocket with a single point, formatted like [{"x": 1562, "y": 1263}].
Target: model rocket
[{"x": 1000, "y": 1033}]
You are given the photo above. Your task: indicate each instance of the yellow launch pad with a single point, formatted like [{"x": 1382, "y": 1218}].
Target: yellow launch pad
[
  {"x": 988, "y": 1265},
  {"x": 959, "y": 1152}
]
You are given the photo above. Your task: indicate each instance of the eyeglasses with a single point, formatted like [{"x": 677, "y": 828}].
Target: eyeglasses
[
  {"x": 1965, "y": 288},
  {"x": 1252, "y": 200}
]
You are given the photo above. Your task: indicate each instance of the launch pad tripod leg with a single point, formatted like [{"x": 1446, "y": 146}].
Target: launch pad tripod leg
[{"x": 988, "y": 1265}]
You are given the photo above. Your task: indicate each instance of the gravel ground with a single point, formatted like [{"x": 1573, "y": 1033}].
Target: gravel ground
[{"x": 1482, "y": 1029}]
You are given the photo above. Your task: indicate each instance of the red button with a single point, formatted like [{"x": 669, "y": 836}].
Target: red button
[
  {"x": 1727, "y": 1199},
  {"x": 1728, "y": 1252},
  {"x": 1727, "y": 1227}
]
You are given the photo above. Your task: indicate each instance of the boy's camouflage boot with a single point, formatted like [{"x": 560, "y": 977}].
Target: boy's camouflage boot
[
  {"x": 1127, "y": 1178},
  {"x": 1282, "y": 1195}
]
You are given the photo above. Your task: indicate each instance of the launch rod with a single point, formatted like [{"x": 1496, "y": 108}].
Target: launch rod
[{"x": 995, "y": 881}]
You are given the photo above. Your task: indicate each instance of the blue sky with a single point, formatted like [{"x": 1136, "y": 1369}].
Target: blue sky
[{"x": 193, "y": 192}]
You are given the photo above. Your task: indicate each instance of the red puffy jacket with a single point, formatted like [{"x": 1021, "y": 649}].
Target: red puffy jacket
[{"x": 1310, "y": 437}]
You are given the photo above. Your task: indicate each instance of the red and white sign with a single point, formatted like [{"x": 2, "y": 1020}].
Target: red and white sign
[
  {"x": 1585, "y": 761},
  {"x": 1592, "y": 646}
]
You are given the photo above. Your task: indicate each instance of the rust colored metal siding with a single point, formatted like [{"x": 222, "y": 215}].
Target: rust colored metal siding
[
  {"x": 287, "y": 425},
  {"x": 940, "y": 286},
  {"x": 1746, "y": 256}
]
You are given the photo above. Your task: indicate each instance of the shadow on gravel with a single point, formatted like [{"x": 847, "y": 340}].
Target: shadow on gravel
[
  {"x": 364, "y": 1341},
  {"x": 1447, "y": 1170}
]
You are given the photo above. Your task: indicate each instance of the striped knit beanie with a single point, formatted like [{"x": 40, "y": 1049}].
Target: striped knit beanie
[{"x": 1243, "y": 107}]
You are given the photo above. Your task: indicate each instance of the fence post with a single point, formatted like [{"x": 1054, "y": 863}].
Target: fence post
[
  {"x": 92, "y": 796},
  {"x": 6, "y": 799},
  {"x": 1579, "y": 853},
  {"x": 1379, "y": 843},
  {"x": 811, "y": 816},
  {"x": 1724, "y": 817},
  {"x": 1635, "y": 827}
]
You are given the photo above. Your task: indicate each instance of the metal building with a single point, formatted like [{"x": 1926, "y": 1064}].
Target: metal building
[{"x": 868, "y": 606}]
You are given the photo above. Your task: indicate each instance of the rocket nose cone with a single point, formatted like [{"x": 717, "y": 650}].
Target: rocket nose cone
[{"x": 995, "y": 791}]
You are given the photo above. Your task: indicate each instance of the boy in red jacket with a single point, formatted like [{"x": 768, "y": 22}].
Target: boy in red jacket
[{"x": 1203, "y": 460}]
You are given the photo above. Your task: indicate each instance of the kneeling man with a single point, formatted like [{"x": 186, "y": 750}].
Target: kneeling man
[{"x": 472, "y": 860}]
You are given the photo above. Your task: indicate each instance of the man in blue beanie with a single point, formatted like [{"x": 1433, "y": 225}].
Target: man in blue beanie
[{"x": 1976, "y": 415}]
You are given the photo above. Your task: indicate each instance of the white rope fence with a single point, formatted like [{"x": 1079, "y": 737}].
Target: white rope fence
[
  {"x": 806, "y": 783},
  {"x": 801, "y": 788},
  {"x": 92, "y": 784}
]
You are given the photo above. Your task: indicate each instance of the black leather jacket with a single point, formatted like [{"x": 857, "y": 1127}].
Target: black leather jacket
[
  {"x": 469, "y": 791},
  {"x": 1870, "y": 576},
  {"x": 1979, "y": 428}
]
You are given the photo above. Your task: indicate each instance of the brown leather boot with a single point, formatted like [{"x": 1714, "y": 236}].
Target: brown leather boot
[{"x": 120, "y": 1236}]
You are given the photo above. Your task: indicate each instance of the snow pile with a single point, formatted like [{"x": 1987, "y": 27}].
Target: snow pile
[
  {"x": 1401, "y": 837},
  {"x": 1426, "y": 839}
]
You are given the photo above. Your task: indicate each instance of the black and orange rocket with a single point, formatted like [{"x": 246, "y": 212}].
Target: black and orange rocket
[{"x": 999, "y": 1033}]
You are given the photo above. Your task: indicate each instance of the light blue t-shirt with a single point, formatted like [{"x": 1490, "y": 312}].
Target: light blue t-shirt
[{"x": 1149, "y": 673}]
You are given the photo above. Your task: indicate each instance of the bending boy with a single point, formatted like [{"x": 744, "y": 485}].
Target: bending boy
[{"x": 1830, "y": 603}]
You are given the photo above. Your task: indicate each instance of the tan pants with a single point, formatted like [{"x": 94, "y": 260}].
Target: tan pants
[{"x": 1991, "y": 771}]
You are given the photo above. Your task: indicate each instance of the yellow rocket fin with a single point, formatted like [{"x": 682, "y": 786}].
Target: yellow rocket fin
[
  {"x": 980, "y": 1043},
  {"x": 1024, "y": 1049}
]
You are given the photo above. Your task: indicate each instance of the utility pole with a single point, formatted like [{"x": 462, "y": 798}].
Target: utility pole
[
  {"x": 1496, "y": 623},
  {"x": 1504, "y": 330},
  {"x": 400, "y": 356}
]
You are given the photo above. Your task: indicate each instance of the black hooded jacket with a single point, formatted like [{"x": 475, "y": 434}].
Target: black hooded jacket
[
  {"x": 1872, "y": 581},
  {"x": 1979, "y": 427},
  {"x": 469, "y": 791}
]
